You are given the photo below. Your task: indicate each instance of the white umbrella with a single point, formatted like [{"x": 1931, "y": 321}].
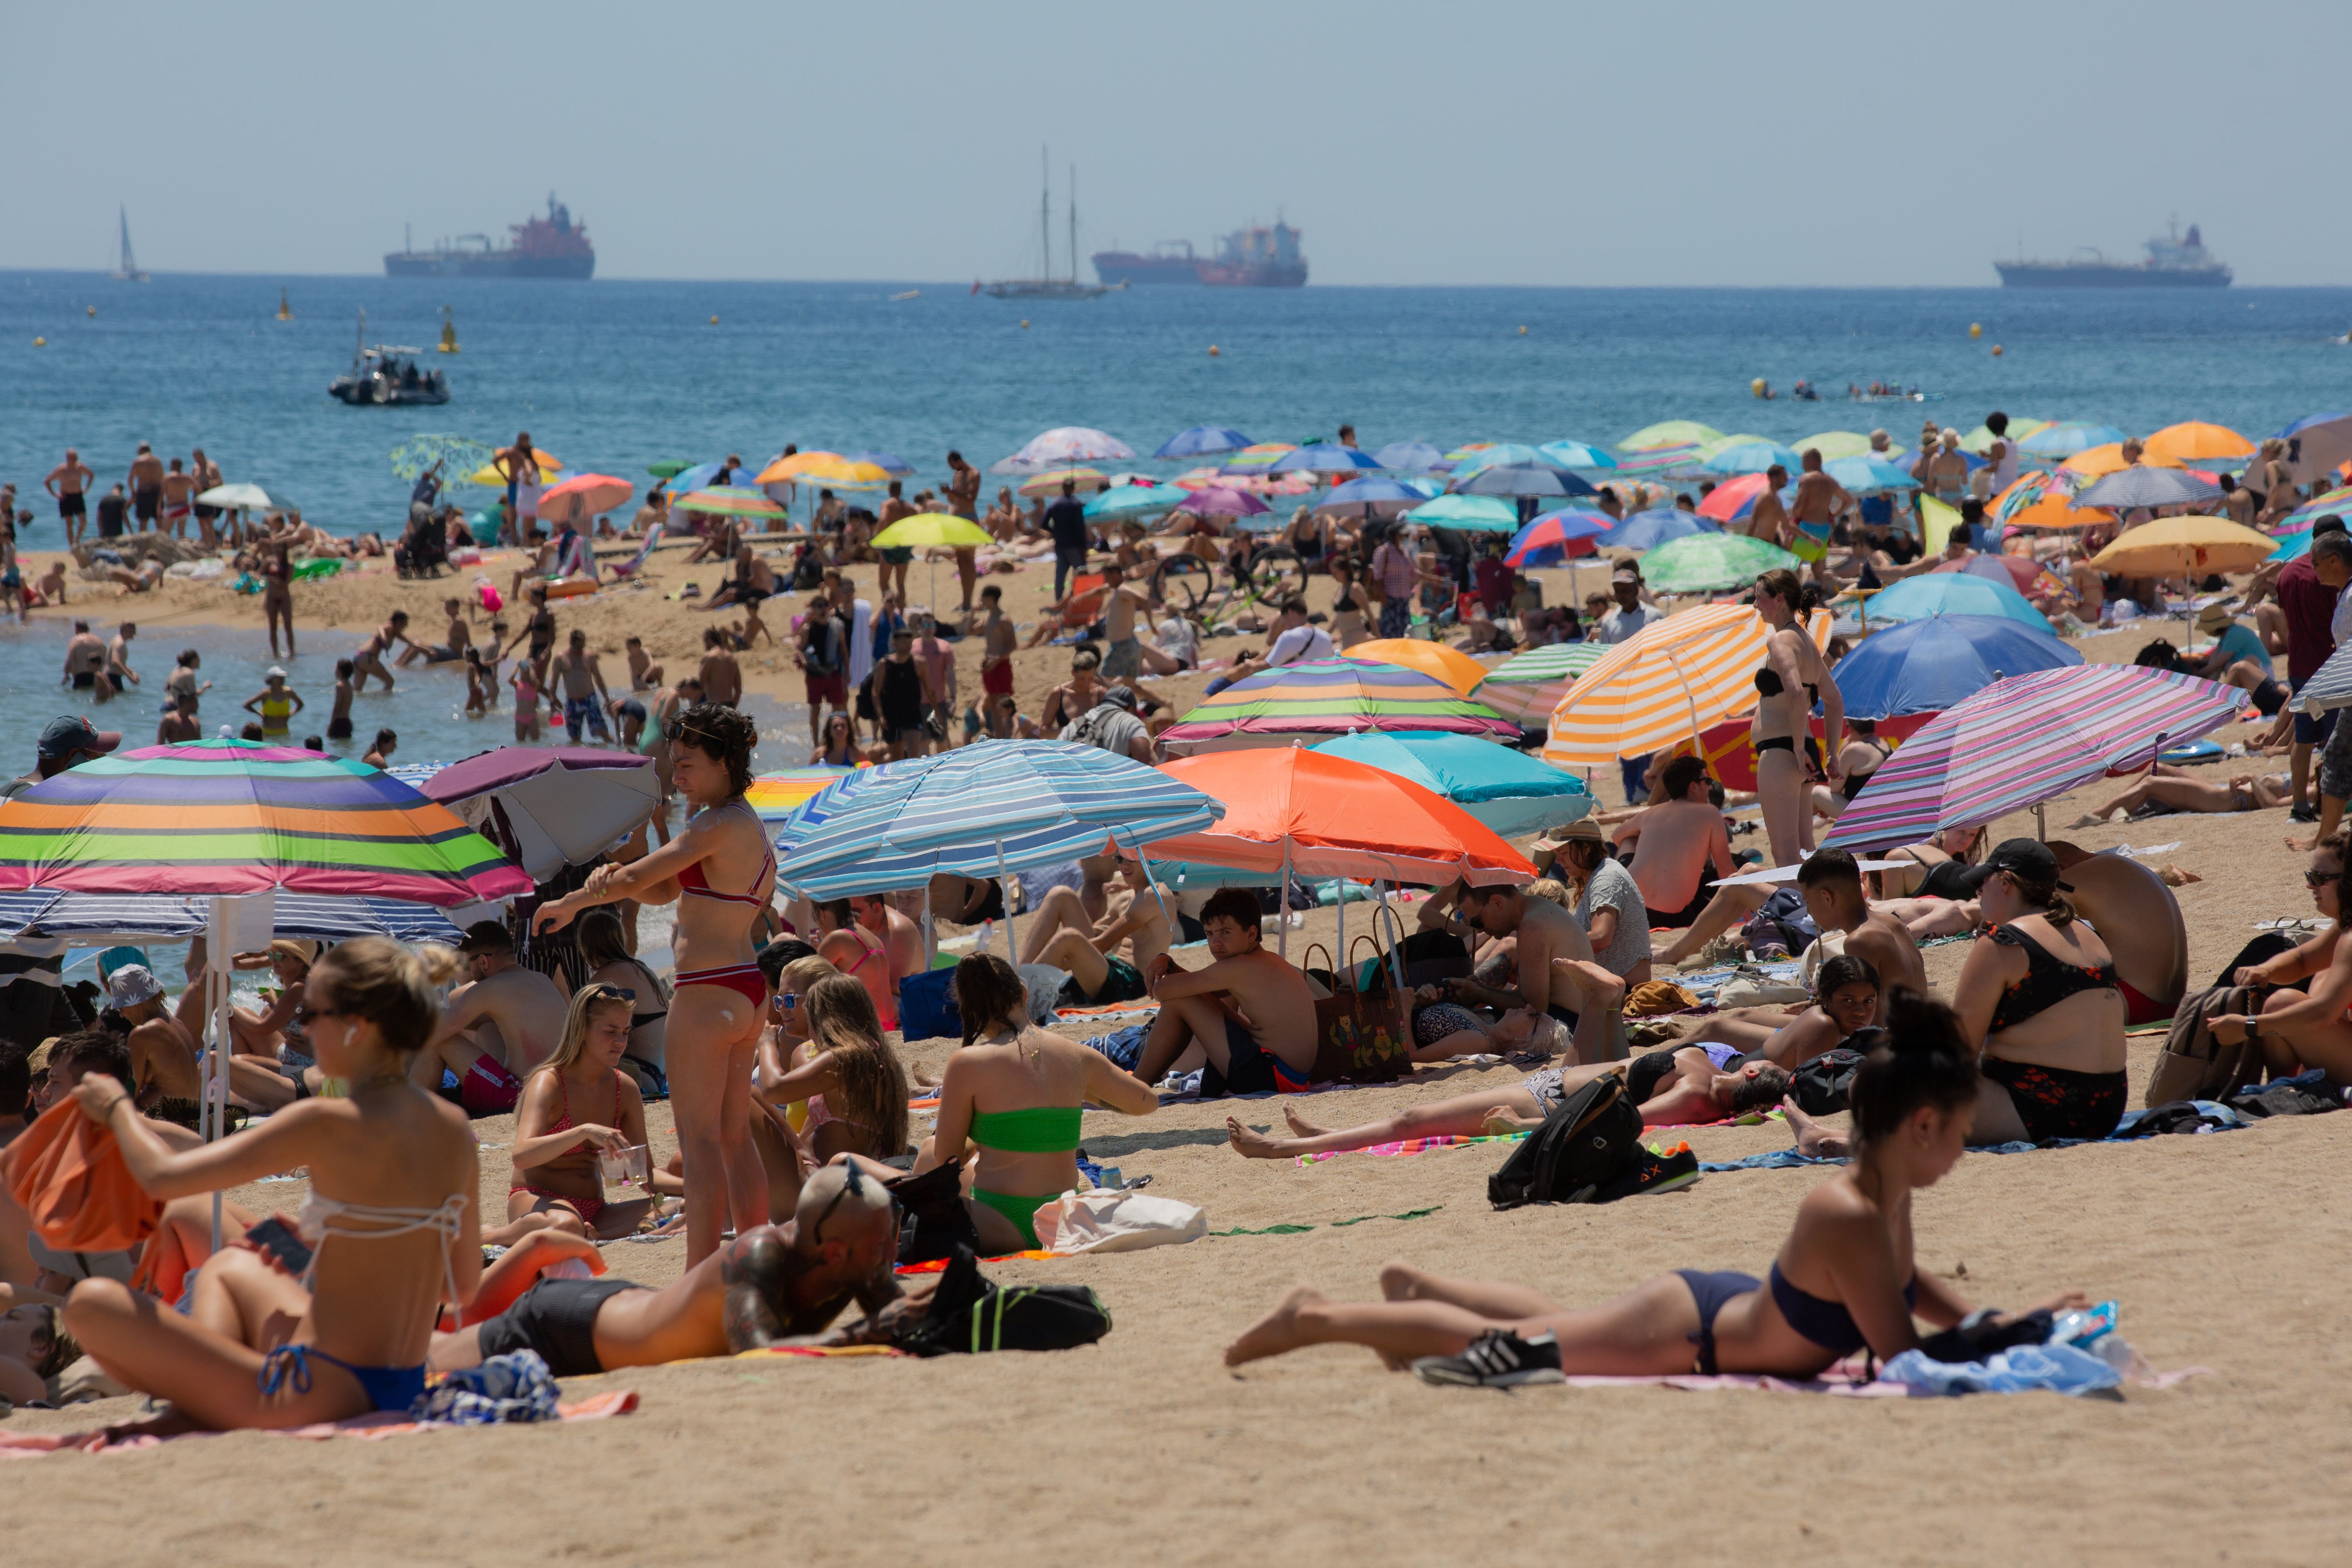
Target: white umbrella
[{"x": 237, "y": 495}]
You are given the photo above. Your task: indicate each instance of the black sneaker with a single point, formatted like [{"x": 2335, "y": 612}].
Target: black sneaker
[
  {"x": 2302, "y": 814},
  {"x": 1495, "y": 1359}
]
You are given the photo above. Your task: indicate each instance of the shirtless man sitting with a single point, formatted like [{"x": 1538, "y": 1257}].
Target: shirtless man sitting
[
  {"x": 902, "y": 938},
  {"x": 1090, "y": 954},
  {"x": 2178, "y": 790},
  {"x": 1681, "y": 848},
  {"x": 1556, "y": 972},
  {"x": 773, "y": 1285},
  {"x": 1250, "y": 1013},
  {"x": 517, "y": 1012}
]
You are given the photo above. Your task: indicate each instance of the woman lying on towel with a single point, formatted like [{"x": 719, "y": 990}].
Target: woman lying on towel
[
  {"x": 392, "y": 1179},
  {"x": 1844, "y": 1280},
  {"x": 1845, "y": 998},
  {"x": 1674, "y": 1087}
]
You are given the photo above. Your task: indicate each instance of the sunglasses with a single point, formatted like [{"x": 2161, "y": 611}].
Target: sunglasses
[
  {"x": 307, "y": 1014},
  {"x": 2320, "y": 878},
  {"x": 603, "y": 992},
  {"x": 676, "y": 730},
  {"x": 856, "y": 1178}
]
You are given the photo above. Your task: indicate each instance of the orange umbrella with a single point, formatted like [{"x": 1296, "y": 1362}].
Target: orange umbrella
[
  {"x": 799, "y": 463},
  {"x": 1322, "y": 815},
  {"x": 1669, "y": 681},
  {"x": 2098, "y": 462},
  {"x": 1435, "y": 660},
  {"x": 596, "y": 493},
  {"x": 2193, "y": 442}
]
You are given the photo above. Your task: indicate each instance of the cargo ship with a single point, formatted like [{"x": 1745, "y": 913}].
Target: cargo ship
[
  {"x": 1258, "y": 258},
  {"x": 2174, "y": 261},
  {"x": 550, "y": 246}
]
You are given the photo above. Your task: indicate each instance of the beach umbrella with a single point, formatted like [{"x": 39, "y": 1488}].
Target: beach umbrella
[
  {"x": 2316, "y": 444},
  {"x": 1713, "y": 564},
  {"x": 1570, "y": 530},
  {"x": 989, "y": 810},
  {"x": 491, "y": 477},
  {"x": 1467, "y": 452},
  {"x": 227, "y": 817},
  {"x": 2023, "y": 741},
  {"x": 243, "y": 497},
  {"x": 550, "y": 806},
  {"x": 1220, "y": 500},
  {"x": 1201, "y": 441},
  {"x": 2095, "y": 462},
  {"x": 1950, "y": 594},
  {"x": 457, "y": 455},
  {"x": 1648, "y": 530},
  {"x": 2291, "y": 546},
  {"x": 1256, "y": 459},
  {"x": 1136, "y": 501},
  {"x": 2136, "y": 486},
  {"x": 1408, "y": 456},
  {"x": 595, "y": 493},
  {"x": 2028, "y": 576},
  {"x": 1577, "y": 454},
  {"x": 1520, "y": 480},
  {"x": 2333, "y": 503},
  {"x": 775, "y": 796},
  {"x": 1669, "y": 433},
  {"x": 1324, "y": 458},
  {"x": 1491, "y": 454},
  {"x": 1067, "y": 444},
  {"x": 1477, "y": 514},
  {"x": 1382, "y": 495},
  {"x": 1664, "y": 684},
  {"x": 2330, "y": 686},
  {"x": 932, "y": 530},
  {"x": 667, "y": 469},
  {"x": 896, "y": 467},
  {"x": 1293, "y": 809},
  {"x": 1329, "y": 697},
  {"x": 1508, "y": 791},
  {"x": 2067, "y": 437},
  {"x": 1859, "y": 476},
  {"x": 2184, "y": 546},
  {"x": 824, "y": 468},
  {"x": 697, "y": 477},
  {"x": 1435, "y": 660},
  {"x": 1638, "y": 495},
  {"x": 1750, "y": 458},
  {"x": 1980, "y": 439},
  {"x": 1732, "y": 500},
  {"x": 1663, "y": 461},
  {"x": 1051, "y": 481},
  {"x": 731, "y": 500},
  {"x": 1527, "y": 686},
  {"x": 784, "y": 470},
  {"x": 1930, "y": 665},
  {"x": 2042, "y": 500},
  {"x": 2196, "y": 443},
  {"x": 87, "y": 919},
  {"x": 1833, "y": 445}
]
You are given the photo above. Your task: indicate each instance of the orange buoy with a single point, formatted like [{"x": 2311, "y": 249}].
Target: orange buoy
[{"x": 1214, "y": 351}]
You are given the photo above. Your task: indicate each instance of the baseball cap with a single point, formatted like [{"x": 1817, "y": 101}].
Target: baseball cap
[
  {"x": 68, "y": 734},
  {"x": 2028, "y": 859},
  {"x": 132, "y": 985},
  {"x": 1625, "y": 574},
  {"x": 1118, "y": 697},
  {"x": 487, "y": 936}
]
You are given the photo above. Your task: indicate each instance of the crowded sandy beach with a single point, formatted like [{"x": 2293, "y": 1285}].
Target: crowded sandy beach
[{"x": 1786, "y": 993}]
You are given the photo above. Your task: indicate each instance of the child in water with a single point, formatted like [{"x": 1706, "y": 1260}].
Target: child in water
[
  {"x": 477, "y": 685},
  {"x": 526, "y": 695},
  {"x": 339, "y": 722}
]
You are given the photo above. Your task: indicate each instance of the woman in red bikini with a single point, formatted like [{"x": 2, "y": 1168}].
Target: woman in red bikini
[
  {"x": 720, "y": 997},
  {"x": 577, "y": 1107}
]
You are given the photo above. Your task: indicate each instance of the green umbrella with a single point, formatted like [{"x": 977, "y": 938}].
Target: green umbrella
[
  {"x": 1487, "y": 514},
  {"x": 1833, "y": 444},
  {"x": 1714, "y": 444},
  {"x": 932, "y": 528},
  {"x": 1670, "y": 433},
  {"x": 667, "y": 469},
  {"x": 1711, "y": 562}
]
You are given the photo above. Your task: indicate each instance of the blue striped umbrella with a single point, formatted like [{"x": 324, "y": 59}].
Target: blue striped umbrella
[
  {"x": 984, "y": 810},
  {"x": 1202, "y": 441},
  {"x": 1324, "y": 458},
  {"x": 90, "y": 918},
  {"x": 1751, "y": 457},
  {"x": 1578, "y": 455}
]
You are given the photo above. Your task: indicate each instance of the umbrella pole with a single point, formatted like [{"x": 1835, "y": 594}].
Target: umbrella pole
[
  {"x": 1011, "y": 923},
  {"x": 1282, "y": 907},
  {"x": 2041, "y": 827},
  {"x": 213, "y": 1117}
]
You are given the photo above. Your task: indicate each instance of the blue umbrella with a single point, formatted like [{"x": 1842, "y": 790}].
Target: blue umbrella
[
  {"x": 1521, "y": 479},
  {"x": 1478, "y": 514},
  {"x": 1324, "y": 458},
  {"x": 1136, "y": 501},
  {"x": 1661, "y": 525},
  {"x": 1510, "y": 791},
  {"x": 1409, "y": 456},
  {"x": 1544, "y": 541},
  {"x": 1507, "y": 452},
  {"x": 2067, "y": 437},
  {"x": 1751, "y": 457},
  {"x": 2291, "y": 545},
  {"x": 1377, "y": 492},
  {"x": 40, "y": 912},
  {"x": 1202, "y": 441},
  {"x": 1862, "y": 474},
  {"x": 1578, "y": 455},
  {"x": 982, "y": 810},
  {"x": 1940, "y": 661},
  {"x": 896, "y": 467},
  {"x": 1951, "y": 594}
]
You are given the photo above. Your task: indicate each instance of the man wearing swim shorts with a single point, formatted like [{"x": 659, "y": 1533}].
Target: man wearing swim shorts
[
  {"x": 146, "y": 481},
  {"x": 1123, "y": 656},
  {"x": 177, "y": 488},
  {"x": 85, "y": 662},
  {"x": 1252, "y": 1015},
  {"x": 518, "y": 1011},
  {"x": 585, "y": 697},
  {"x": 67, "y": 481}
]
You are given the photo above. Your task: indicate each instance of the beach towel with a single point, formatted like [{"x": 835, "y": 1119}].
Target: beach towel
[
  {"x": 67, "y": 1172},
  {"x": 861, "y": 643},
  {"x": 1117, "y": 1222},
  {"x": 1845, "y": 1380},
  {"x": 636, "y": 563},
  {"x": 377, "y": 1425}
]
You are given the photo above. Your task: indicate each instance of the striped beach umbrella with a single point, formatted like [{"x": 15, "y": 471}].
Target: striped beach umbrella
[
  {"x": 1329, "y": 697},
  {"x": 2067, "y": 437},
  {"x": 1667, "y": 460},
  {"x": 1435, "y": 660},
  {"x": 1256, "y": 459},
  {"x": 774, "y": 796},
  {"x": 1571, "y": 530},
  {"x": 1750, "y": 458},
  {"x": 1478, "y": 514},
  {"x": 987, "y": 810},
  {"x": 1051, "y": 481},
  {"x": 1667, "y": 683},
  {"x": 1669, "y": 433},
  {"x": 2025, "y": 739},
  {"x": 1202, "y": 441},
  {"x": 731, "y": 500},
  {"x": 2335, "y": 504},
  {"x": 2330, "y": 686},
  {"x": 208, "y": 817},
  {"x": 84, "y": 919},
  {"x": 1529, "y": 686},
  {"x": 1578, "y": 455},
  {"x": 1064, "y": 445}
]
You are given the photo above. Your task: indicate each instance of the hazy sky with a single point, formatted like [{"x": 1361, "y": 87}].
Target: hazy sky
[{"x": 1510, "y": 142}]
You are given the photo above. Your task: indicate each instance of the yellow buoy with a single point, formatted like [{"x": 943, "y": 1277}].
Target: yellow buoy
[
  {"x": 1756, "y": 387},
  {"x": 1025, "y": 323},
  {"x": 40, "y": 342},
  {"x": 91, "y": 309},
  {"x": 285, "y": 309},
  {"x": 1214, "y": 351},
  {"x": 714, "y": 320},
  {"x": 1976, "y": 329},
  {"x": 448, "y": 333},
  {"x": 1523, "y": 332},
  {"x": 1996, "y": 350}
]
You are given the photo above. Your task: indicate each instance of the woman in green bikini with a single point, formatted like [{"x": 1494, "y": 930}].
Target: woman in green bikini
[{"x": 1016, "y": 1092}]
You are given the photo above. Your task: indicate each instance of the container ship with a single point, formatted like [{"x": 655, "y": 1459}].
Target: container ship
[
  {"x": 2174, "y": 261},
  {"x": 1169, "y": 261},
  {"x": 1263, "y": 258},
  {"x": 550, "y": 246}
]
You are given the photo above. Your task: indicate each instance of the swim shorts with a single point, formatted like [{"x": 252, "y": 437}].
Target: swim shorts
[
  {"x": 898, "y": 554},
  {"x": 71, "y": 504},
  {"x": 833, "y": 689},
  {"x": 2310, "y": 728},
  {"x": 2269, "y": 698},
  {"x": 1250, "y": 1069},
  {"x": 557, "y": 1318},
  {"x": 1122, "y": 660},
  {"x": 996, "y": 680},
  {"x": 144, "y": 504},
  {"x": 1121, "y": 983}
]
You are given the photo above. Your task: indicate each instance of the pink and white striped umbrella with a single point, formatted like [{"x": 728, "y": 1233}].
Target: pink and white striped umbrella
[{"x": 2022, "y": 740}]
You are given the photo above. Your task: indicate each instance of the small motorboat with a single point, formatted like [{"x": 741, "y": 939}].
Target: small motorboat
[{"x": 380, "y": 376}]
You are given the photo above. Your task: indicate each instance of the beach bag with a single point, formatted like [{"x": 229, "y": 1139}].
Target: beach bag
[
  {"x": 933, "y": 1219},
  {"x": 969, "y": 1315},
  {"x": 1116, "y": 1222},
  {"x": 927, "y": 1009},
  {"x": 1361, "y": 1035},
  {"x": 2193, "y": 1065},
  {"x": 1782, "y": 922},
  {"x": 1590, "y": 1141},
  {"x": 1823, "y": 1087},
  {"x": 66, "y": 1174}
]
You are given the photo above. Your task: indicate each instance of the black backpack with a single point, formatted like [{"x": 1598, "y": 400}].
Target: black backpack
[
  {"x": 1822, "y": 1087},
  {"x": 969, "y": 1314},
  {"x": 1588, "y": 1142}
]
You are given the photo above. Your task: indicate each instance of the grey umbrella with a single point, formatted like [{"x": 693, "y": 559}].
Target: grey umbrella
[
  {"x": 1523, "y": 479},
  {"x": 2139, "y": 486}
]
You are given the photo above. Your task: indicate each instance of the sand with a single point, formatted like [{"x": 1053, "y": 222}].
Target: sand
[{"x": 2222, "y": 1251}]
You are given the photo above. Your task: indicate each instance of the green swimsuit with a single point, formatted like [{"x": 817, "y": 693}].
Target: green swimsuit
[{"x": 1040, "y": 1130}]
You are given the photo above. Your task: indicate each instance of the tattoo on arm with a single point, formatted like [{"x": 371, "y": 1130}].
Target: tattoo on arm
[{"x": 753, "y": 1274}]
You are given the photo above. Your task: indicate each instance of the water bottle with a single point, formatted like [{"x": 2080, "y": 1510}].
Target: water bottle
[{"x": 2085, "y": 1326}]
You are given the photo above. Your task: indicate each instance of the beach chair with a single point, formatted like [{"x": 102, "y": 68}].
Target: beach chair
[{"x": 634, "y": 563}]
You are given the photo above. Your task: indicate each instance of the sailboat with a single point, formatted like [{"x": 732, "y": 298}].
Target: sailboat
[
  {"x": 126, "y": 265},
  {"x": 1049, "y": 286}
]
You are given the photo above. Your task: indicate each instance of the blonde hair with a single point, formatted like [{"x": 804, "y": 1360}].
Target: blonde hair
[
  {"x": 1553, "y": 889},
  {"x": 378, "y": 980},
  {"x": 577, "y": 1021},
  {"x": 872, "y": 1094},
  {"x": 801, "y": 975}
]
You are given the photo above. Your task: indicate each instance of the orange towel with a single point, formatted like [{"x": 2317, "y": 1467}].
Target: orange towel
[{"x": 68, "y": 1172}]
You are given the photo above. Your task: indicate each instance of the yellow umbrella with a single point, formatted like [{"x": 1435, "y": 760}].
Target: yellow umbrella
[
  {"x": 1050, "y": 483},
  {"x": 1667, "y": 683},
  {"x": 1833, "y": 444},
  {"x": 2185, "y": 546},
  {"x": 1435, "y": 660},
  {"x": 824, "y": 468},
  {"x": 491, "y": 476},
  {"x": 790, "y": 468},
  {"x": 2193, "y": 443},
  {"x": 1980, "y": 439},
  {"x": 2098, "y": 462},
  {"x": 932, "y": 528}
]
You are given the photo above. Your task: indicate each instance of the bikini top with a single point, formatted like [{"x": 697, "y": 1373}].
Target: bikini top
[
  {"x": 2047, "y": 982},
  {"x": 323, "y": 1217},
  {"x": 1039, "y": 1130},
  {"x": 1827, "y": 1323},
  {"x": 582, "y": 1158},
  {"x": 1768, "y": 683},
  {"x": 691, "y": 880}
]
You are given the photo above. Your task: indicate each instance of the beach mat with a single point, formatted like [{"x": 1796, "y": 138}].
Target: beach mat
[
  {"x": 381, "y": 1424},
  {"x": 1846, "y": 1382}
]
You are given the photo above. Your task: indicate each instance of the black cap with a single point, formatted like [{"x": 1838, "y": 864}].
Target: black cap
[
  {"x": 68, "y": 733},
  {"x": 2028, "y": 859},
  {"x": 487, "y": 936}
]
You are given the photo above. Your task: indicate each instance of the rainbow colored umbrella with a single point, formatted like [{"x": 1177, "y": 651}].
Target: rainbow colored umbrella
[
  {"x": 776, "y": 795},
  {"x": 2334, "y": 502},
  {"x": 1570, "y": 529},
  {"x": 1529, "y": 686},
  {"x": 731, "y": 500},
  {"x": 229, "y": 817},
  {"x": 2025, "y": 739},
  {"x": 1732, "y": 500},
  {"x": 1257, "y": 460},
  {"x": 1329, "y": 697},
  {"x": 1662, "y": 461}
]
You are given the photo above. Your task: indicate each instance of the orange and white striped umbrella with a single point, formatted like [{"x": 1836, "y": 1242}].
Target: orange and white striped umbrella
[{"x": 1668, "y": 683}]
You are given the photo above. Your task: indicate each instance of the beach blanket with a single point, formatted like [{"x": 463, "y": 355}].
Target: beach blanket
[
  {"x": 1846, "y": 1381},
  {"x": 381, "y": 1424}
]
